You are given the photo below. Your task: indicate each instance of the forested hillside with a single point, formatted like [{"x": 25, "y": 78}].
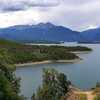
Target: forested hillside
[{"x": 20, "y": 53}]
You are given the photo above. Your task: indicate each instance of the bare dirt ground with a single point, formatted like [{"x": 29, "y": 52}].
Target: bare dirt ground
[
  {"x": 89, "y": 94},
  {"x": 74, "y": 95}
]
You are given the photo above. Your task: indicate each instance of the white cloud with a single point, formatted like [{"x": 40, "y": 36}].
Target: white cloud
[
  {"x": 18, "y": 18},
  {"x": 76, "y": 14},
  {"x": 92, "y": 27}
]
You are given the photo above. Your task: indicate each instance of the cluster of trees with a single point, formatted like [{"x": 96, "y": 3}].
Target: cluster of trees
[
  {"x": 40, "y": 54},
  {"x": 21, "y": 53},
  {"x": 78, "y": 48},
  {"x": 9, "y": 84},
  {"x": 55, "y": 86}
]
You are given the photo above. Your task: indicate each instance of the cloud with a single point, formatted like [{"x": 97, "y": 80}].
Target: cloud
[
  {"x": 17, "y": 5},
  {"x": 18, "y": 18},
  {"x": 75, "y": 14}
]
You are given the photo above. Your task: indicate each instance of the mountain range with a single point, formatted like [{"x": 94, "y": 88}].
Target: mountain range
[
  {"x": 47, "y": 32},
  {"x": 91, "y": 35}
]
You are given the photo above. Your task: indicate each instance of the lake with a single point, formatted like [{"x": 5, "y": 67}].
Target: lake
[{"x": 83, "y": 74}]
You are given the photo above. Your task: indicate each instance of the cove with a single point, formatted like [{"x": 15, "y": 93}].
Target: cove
[{"x": 83, "y": 74}]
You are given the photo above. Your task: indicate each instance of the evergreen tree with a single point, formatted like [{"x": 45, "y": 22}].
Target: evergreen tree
[
  {"x": 9, "y": 84},
  {"x": 55, "y": 85}
]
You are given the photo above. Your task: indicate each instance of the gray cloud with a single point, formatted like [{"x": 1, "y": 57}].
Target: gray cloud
[
  {"x": 75, "y": 14},
  {"x": 17, "y": 5}
]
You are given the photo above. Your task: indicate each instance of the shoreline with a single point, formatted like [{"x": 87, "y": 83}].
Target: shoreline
[
  {"x": 81, "y": 52},
  {"x": 53, "y": 61},
  {"x": 47, "y": 62}
]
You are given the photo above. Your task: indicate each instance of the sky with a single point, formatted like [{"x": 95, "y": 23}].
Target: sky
[{"x": 78, "y": 15}]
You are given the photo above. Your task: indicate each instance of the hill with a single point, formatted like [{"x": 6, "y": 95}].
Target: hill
[
  {"x": 92, "y": 35},
  {"x": 41, "y": 31},
  {"x": 49, "y": 33}
]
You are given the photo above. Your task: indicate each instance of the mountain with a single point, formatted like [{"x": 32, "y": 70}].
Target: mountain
[
  {"x": 91, "y": 35},
  {"x": 41, "y": 31}
]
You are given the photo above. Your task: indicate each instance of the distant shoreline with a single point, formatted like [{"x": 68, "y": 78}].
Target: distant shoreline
[
  {"x": 81, "y": 52},
  {"x": 47, "y": 62}
]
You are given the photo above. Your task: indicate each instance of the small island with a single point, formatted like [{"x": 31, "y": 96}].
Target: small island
[{"x": 24, "y": 54}]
